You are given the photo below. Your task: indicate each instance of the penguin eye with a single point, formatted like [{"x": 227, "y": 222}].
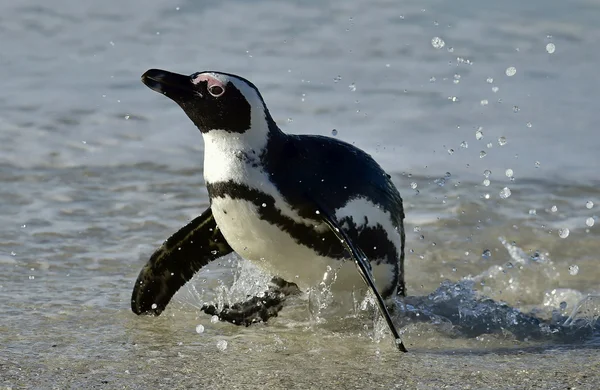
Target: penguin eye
[{"x": 216, "y": 90}]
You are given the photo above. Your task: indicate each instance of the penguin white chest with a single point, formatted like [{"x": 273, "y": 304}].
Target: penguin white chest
[
  {"x": 265, "y": 243},
  {"x": 278, "y": 253},
  {"x": 250, "y": 236}
]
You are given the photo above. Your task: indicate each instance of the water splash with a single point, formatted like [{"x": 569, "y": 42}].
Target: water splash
[
  {"x": 461, "y": 309},
  {"x": 502, "y": 301}
]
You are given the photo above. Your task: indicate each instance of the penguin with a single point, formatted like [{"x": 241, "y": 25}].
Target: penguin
[{"x": 295, "y": 205}]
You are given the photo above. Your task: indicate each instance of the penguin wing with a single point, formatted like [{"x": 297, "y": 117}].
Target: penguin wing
[
  {"x": 362, "y": 264},
  {"x": 176, "y": 261}
]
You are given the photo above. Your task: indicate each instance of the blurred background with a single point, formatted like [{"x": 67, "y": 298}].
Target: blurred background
[{"x": 484, "y": 113}]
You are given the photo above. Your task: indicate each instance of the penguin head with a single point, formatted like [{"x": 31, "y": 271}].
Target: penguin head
[{"x": 213, "y": 100}]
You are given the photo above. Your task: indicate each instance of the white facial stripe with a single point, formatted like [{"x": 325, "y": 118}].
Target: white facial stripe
[
  {"x": 360, "y": 207},
  {"x": 250, "y": 94},
  {"x": 253, "y": 139}
]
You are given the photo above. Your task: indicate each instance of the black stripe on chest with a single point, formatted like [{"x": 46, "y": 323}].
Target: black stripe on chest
[{"x": 373, "y": 240}]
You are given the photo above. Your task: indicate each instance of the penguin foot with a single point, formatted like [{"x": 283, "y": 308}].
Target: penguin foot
[{"x": 256, "y": 309}]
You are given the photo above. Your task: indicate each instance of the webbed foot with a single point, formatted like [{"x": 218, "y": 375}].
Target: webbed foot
[{"x": 256, "y": 309}]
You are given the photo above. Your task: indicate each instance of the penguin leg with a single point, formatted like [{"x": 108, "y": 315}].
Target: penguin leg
[
  {"x": 176, "y": 261},
  {"x": 258, "y": 308},
  {"x": 364, "y": 269}
]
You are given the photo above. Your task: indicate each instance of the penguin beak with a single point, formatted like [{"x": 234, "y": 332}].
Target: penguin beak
[{"x": 175, "y": 86}]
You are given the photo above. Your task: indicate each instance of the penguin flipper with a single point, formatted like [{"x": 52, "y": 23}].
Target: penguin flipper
[
  {"x": 364, "y": 269},
  {"x": 256, "y": 309},
  {"x": 176, "y": 261}
]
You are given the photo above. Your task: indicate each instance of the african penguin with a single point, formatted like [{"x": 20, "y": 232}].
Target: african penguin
[{"x": 292, "y": 204}]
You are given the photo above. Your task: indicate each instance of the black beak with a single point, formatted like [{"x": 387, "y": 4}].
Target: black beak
[{"x": 175, "y": 86}]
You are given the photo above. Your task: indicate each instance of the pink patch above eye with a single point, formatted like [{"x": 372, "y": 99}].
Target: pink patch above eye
[{"x": 210, "y": 80}]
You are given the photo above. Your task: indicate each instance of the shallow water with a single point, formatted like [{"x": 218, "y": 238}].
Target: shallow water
[{"x": 97, "y": 171}]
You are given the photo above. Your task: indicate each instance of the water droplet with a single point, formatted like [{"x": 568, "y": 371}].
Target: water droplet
[
  {"x": 563, "y": 305},
  {"x": 479, "y": 133},
  {"x": 554, "y": 209},
  {"x": 532, "y": 212},
  {"x": 453, "y": 98},
  {"x": 413, "y": 185},
  {"x": 290, "y": 120},
  {"x": 417, "y": 229},
  {"x": 317, "y": 212},
  {"x": 486, "y": 196},
  {"x": 563, "y": 233},
  {"x": 573, "y": 270},
  {"x": 489, "y": 145},
  {"x": 590, "y": 221},
  {"x": 495, "y": 89},
  {"x": 484, "y": 102},
  {"x": 214, "y": 319},
  {"x": 112, "y": 43},
  {"x": 177, "y": 8},
  {"x": 509, "y": 172},
  {"x": 334, "y": 132},
  {"x": 352, "y": 87},
  {"x": 487, "y": 173},
  {"x": 464, "y": 144},
  {"x": 502, "y": 141},
  {"x": 31, "y": 277},
  {"x": 516, "y": 109},
  {"x": 550, "y": 48},
  {"x": 432, "y": 79},
  {"x": 537, "y": 164},
  {"x": 482, "y": 154},
  {"x": 127, "y": 117},
  {"x": 486, "y": 254},
  {"x": 505, "y": 193},
  {"x": 490, "y": 80},
  {"x": 222, "y": 345},
  {"x": 437, "y": 42},
  {"x": 154, "y": 306},
  {"x": 200, "y": 329},
  {"x": 13, "y": 253},
  {"x": 450, "y": 151},
  {"x": 511, "y": 71},
  {"x": 589, "y": 204},
  {"x": 486, "y": 182},
  {"x": 529, "y": 124},
  {"x": 337, "y": 78},
  {"x": 214, "y": 252},
  {"x": 264, "y": 205}
]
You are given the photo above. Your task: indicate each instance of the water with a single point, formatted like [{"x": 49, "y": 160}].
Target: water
[{"x": 97, "y": 171}]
